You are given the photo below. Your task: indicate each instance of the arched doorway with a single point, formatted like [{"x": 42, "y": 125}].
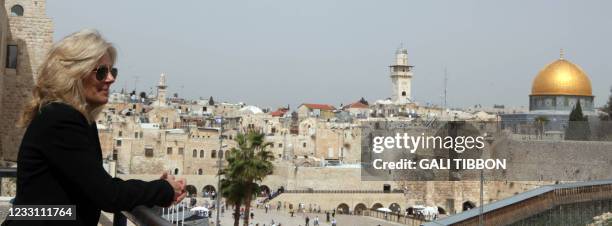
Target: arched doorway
[
  {"x": 191, "y": 190},
  {"x": 376, "y": 206},
  {"x": 441, "y": 210},
  {"x": 395, "y": 207},
  {"x": 359, "y": 208},
  {"x": 213, "y": 154},
  {"x": 264, "y": 191},
  {"x": 343, "y": 208},
  {"x": 207, "y": 191},
  {"x": 468, "y": 205}
]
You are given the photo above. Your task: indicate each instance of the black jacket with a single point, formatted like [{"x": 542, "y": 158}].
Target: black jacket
[{"x": 60, "y": 163}]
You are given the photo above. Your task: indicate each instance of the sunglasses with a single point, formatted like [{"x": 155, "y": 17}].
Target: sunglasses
[{"x": 102, "y": 72}]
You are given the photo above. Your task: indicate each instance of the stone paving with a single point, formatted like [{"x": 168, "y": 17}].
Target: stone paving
[{"x": 298, "y": 219}]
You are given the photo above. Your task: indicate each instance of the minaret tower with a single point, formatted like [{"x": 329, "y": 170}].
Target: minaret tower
[
  {"x": 401, "y": 76},
  {"x": 161, "y": 90}
]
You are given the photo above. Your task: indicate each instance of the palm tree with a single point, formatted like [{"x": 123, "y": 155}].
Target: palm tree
[
  {"x": 248, "y": 164},
  {"x": 233, "y": 193}
]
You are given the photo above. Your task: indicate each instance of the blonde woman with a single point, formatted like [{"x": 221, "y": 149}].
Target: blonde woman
[{"x": 60, "y": 160}]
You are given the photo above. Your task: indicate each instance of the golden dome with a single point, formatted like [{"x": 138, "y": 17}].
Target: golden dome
[{"x": 562, "y": 78}]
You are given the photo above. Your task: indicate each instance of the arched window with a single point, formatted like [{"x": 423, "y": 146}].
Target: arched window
[
  {"x": 176, "y": 171},
  {"x": 199, "y": 171},
  {"x": 17, "y": 10},
  {"x": 403, "y": 93},
  {"x": 201, "y": 153},
  {"x": 213, "y": 154},
  {"x": 195, "y": 153}
]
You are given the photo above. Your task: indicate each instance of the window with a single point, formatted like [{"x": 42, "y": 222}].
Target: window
[
  {"x": 11, "y": 56},
  {"x": 181, "y": 151},
  {"x": 169, "y": 150},
  {"x": 195, "y": 153},
  {"x": 140, "y": 134},
  {"x": 201, "y": 153},
  {"x": 272, "y": 145},
  {"x": 304, "y": 144},
  {"x": 176, "y": 171},
  {"x": 115, "y": 154},
  {"x": 148, "y": 152},
  {"x": 118, "y": 143},
  {"x": 221, "y": 154},
  {"x": 120, "y": 133},
  {"x": 213, "y": 154},
  {"x": 17, "y": 10},
  {"x": 280, "y": 145},
  {"x": 199, "y": 171}
]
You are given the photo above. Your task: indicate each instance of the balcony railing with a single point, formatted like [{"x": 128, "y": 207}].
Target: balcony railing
[{"x": 140, "y": 215}]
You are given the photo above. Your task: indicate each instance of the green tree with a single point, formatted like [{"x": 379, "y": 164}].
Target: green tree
[
  {"x": 578, "y": 125},
  {"x": 233, "y": 192},
  {"x": 248, "y": 164},
  {"x": 607, "y": 109}
]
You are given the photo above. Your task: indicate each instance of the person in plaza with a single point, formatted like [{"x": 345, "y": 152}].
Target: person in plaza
[
  {"x": 326, "y": 216},
  {"x": 333, "y": 222},
  {"x": 60, "y": 158},
  {"x": 307, "y": 221},
  {"x": 316, "y": 221}
]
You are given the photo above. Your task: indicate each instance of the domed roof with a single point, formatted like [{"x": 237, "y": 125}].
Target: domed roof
[{"x": 561, "y": 77}]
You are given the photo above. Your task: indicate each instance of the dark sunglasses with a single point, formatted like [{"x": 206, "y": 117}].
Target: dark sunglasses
[{"x": 102, "y": 72}]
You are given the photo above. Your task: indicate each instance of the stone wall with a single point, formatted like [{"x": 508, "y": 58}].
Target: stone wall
[{"x": 33, "y": 35}]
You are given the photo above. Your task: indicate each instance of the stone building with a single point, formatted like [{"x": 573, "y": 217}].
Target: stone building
[{"x": 26, "y": 34}]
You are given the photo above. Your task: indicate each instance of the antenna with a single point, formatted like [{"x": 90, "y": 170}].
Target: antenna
[
  {"x": 136, "y": 83},
  {"x": 445, "y": 86}
]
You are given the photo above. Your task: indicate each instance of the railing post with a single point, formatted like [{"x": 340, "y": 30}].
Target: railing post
[{"x": 119, "y": 219}]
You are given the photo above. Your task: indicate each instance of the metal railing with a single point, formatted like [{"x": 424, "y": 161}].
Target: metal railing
[{"x": 140, "y": 215}]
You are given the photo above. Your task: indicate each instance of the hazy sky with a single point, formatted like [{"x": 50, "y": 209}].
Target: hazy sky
[{"x": 272, "y": 53}]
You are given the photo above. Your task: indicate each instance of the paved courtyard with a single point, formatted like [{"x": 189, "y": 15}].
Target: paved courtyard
[{"x": 298, "y": 219}]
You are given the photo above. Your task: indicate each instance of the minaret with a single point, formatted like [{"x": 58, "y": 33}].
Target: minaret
[
  {"x": 161, "y": 90},
  {"x": 401, "y": 76}
]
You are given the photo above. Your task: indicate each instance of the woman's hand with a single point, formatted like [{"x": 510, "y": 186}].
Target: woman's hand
[{"x": 177, "y": 185}]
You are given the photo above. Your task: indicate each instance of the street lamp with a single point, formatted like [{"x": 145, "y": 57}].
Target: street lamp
[{"x": 219, "y": 120}]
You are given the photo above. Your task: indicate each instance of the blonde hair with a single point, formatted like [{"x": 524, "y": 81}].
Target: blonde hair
[{"x": 60, "y": 77}]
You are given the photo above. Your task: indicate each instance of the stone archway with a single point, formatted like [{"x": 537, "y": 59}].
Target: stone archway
[
  {"x": 359, "y": 208},
  {"x": 191, "y": 190},
  {"x": 441, "y": 210},
  {"x": 343, "y": 208},
  {"x": 207, "y": 191},
  {"x": 264, "y": 191},
  {"x": 376, "y": 206},
  {"x": 468, "y": 205},
  {"x": 395, "y": 207}
]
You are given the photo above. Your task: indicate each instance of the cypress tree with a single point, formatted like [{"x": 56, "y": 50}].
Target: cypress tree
[{"x": 578, "y": 125}]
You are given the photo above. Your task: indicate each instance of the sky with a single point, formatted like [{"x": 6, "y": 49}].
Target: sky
[{"x": 273, "y": 53}]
